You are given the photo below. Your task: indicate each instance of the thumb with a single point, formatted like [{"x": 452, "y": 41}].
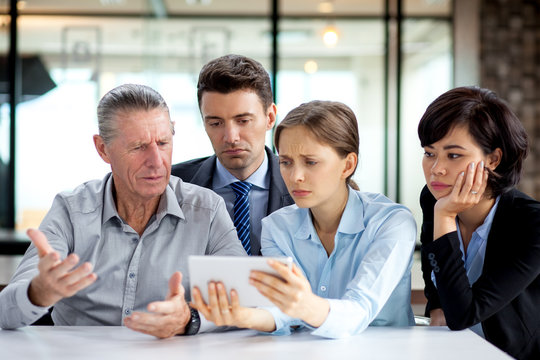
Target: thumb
[
  {"x": 296, "y": 270},
  {"x": 175, "y": 285},
  {"x": 40, "y": 242}
]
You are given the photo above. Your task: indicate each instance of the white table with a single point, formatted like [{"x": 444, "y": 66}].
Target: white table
[{"x": 117, "y": 343}]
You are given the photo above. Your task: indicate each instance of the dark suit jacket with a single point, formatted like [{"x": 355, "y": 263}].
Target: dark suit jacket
[
  {"x": 201, "y": 172},
  {"x": 506, "y": 296}
]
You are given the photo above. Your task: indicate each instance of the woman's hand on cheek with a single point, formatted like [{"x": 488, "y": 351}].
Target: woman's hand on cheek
[
  {"x": 292, "y": 293},
  {"x": 466, "y": 193}
]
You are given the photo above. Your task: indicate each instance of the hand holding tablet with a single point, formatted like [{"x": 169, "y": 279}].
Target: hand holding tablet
[{"x": 233, "y": 272}]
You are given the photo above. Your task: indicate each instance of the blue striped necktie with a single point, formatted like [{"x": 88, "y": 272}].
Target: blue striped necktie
[{"x": 241, "y": 212}]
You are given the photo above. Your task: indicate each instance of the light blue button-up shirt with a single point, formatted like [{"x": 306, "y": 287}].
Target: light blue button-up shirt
[
  {"x": 258, "y": 195},
  {"x": 366, "y": 278}
]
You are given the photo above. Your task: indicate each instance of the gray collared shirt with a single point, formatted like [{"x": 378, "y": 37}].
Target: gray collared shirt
[{"x": 132, "y": 270}]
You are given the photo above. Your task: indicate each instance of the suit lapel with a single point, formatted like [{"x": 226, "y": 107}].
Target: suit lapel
[
  {"x": 278, "y": 196},
  {"x": 205, "y": 173}
]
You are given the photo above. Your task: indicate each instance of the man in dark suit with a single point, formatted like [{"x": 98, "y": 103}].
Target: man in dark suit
[{"x": 235, "y": 100}]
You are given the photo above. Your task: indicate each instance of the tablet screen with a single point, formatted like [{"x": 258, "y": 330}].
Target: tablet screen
[{"x": 233, "y": 272}]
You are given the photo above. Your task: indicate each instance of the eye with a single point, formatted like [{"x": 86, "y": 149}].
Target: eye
[
  {"x": 243, "y": 121},
  {"x": 454, "y": 156},
  {"x": 428, "y": 154},
  {"x": 213, "y": 123},
  {"x": 311, "y": 162},
  {"x": 284, "y": 162}
]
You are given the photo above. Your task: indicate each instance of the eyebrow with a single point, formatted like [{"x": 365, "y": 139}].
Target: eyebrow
[
  {"x": 301, "y": 155},
  {"x": 215, "y": 117},
  {"x": 449, "y": 147}
]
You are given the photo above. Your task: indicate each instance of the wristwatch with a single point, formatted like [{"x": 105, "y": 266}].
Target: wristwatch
[{"x": 193, "y": 325}]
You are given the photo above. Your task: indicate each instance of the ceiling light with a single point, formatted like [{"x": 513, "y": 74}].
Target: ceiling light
[
  {"x": 311, "y": 67},
  {"x": 330, "y": 36}
]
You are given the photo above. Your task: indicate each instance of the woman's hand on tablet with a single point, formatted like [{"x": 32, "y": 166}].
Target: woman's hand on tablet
[
  {"x": 222, "y": 313},
  {"x": 292, "y": 293}
]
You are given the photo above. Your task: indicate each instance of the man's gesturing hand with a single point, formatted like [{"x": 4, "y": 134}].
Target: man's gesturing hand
[
  {"x": 165, "y": 318},
  {"x": 56, "y": 279}
]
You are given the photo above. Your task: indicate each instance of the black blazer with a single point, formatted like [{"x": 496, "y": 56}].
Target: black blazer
[
  {"x": 201, "y": 172},
  {"x": 506, "y": 296}
]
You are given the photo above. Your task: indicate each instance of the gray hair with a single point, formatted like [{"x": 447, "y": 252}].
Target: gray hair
[{"x": 126, "y": 98}]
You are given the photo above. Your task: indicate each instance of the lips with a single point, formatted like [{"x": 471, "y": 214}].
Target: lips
[
  {"x": 438, "y": 186},
  {"x": 153, "y": 178},
  {"x": 233, "y": 151},
  {"x": 301, "y": 193}
]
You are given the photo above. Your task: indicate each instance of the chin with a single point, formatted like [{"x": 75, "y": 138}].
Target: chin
[{"x": 439, "y": 194}]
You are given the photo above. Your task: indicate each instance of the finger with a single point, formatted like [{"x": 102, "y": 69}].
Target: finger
[
  {"x": 478, "y": 179},
  {"x": 81, "y": 284},
  {"x": 199, "y": 304},
  {"x": 235, "y": 301},
  {"x": 175, "y": 285},
  {"x": 469, "y": 179},
  {"x": 165, "y": 307},
  {"x": 40, "y": 242},
  {"x": 64, "y": 266},
  {"x": 267, "y": 291},
  {"x": 283, "y": 270},
  {"x": 223, "y": 301},
  {"x": 143, "y": 322},
  {"x": 214, "y": 304},
  {"x": 296, "y": 271},
  {"x": 48, "y": 262},
  {"x": 271, "y": 280},
  {"x": 76, "y": 275},
  {"x": 458, "y": 185}
]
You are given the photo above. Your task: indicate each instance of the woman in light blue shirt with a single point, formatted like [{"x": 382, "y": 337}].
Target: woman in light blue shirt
[{"x": 352, "y": 250}]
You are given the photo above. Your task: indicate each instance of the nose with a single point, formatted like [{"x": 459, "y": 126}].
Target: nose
[
  {"x": 231, "y": 134},
  {"x": 297, "y": 174},
  {"x": 438, "y": 168},
  {"x": 153, "y": 156}
]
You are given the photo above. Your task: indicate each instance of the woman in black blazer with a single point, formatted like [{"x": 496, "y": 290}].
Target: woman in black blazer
[{"x": 482, "y": 270}]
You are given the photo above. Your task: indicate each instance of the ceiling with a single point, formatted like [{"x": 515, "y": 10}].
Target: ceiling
[
  {"x": 227, "y": 7},
  {"x": 50, "y": 29}
]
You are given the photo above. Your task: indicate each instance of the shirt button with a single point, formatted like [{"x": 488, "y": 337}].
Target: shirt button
[
  {"x": 131, "y": 275},
  {"x": 323, "y": 288},
  {"x": 433, "y": 263},
  {"x": 134, "y": 239},
  {"x": 127, "y": 311}
]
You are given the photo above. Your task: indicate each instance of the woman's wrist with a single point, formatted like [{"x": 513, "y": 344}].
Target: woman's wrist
[
  {"x": 443, "y": 224},
  {"x": 319, "y": 308}
]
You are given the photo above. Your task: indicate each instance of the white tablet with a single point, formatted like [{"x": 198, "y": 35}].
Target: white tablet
[{"x": 233, "y": 272}]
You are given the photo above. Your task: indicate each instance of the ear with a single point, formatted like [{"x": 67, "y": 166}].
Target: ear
[
  {"x": 494, "y": 159},
  {"x": 271, "y": 116},
  {"x": 350, "y": 165},
  {"x": 101, "y": 148}
]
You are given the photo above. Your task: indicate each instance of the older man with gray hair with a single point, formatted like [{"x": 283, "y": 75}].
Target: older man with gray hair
[{"x": 131, "y": 233}]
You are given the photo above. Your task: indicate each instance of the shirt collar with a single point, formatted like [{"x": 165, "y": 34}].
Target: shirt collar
[
  {"x": 168, "y": 203},
  {"x": 259, "y": 178},
  {"x": 351, "y": 222},
  {"x": 483, "y": 230}
]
